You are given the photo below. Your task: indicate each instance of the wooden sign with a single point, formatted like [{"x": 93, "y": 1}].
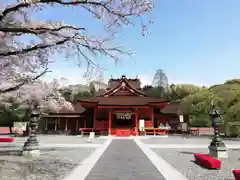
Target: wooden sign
[
  {"x": 123, "y": 115},
  {"x": 91, "y": 136}
]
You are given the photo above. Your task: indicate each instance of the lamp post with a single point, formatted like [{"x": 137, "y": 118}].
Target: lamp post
[
  {"x": 31, "y": 146},
  {"x": 217, "y": 147}
]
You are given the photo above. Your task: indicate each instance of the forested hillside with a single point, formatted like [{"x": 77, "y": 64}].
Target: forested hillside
[{"x": 196, "y": 101}]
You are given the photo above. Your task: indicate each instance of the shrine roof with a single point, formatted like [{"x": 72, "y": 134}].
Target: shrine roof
[
  {"x": 122, "y": 94},
  {"x": 123, "y": 100}
]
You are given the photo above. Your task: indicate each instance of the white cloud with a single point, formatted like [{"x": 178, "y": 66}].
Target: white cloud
[{"x": 145, "y": 79}]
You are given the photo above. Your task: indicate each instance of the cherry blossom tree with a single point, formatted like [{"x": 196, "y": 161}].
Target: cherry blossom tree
[
  {"x": 27, "y": 44},
  {"x": 46, "y": 95}
]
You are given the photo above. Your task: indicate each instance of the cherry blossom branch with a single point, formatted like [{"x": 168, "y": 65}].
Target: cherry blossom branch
[
  {"x": 35, "y": 47},
  {"x": 104, "y": 4},
  {"x": 25, "y": 81}
]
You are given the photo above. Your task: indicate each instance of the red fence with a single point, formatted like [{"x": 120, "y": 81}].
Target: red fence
[{"x": 6, "y": 130}]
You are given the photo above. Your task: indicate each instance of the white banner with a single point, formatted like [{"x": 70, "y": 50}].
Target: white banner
[
  {"x": 141, "y": 124},
  {"x": 20, "y": 126}
]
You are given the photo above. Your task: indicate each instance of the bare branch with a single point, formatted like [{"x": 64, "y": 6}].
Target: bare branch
[{"x": 37, "y": 30}]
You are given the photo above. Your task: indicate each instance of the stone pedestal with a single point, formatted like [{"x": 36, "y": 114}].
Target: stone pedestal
[
  {"x": 31, "y": 154},
  {"x": 218, "y": 152}
]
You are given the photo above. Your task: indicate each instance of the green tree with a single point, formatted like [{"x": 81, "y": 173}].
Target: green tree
[
  {"x": 12, "y": 113},
  {"x": 81, "y": 96},
  {"x": 67, "y": 94},
  {"x": 92, "y": 89},
  {"x": 160, "y": 84},
  {"x": 180, "y": 91}
]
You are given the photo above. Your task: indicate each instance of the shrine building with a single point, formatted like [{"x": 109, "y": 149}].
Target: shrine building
[{"x": 117, "y": 110}]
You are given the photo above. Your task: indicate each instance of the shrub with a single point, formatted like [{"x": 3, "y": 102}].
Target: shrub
[{"x": 200, "y": 121}]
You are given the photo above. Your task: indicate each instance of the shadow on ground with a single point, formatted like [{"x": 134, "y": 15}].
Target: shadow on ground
[{"x": 187, "y": 152}]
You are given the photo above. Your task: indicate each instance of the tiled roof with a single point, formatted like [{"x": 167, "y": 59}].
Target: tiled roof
[
  {"x": 172, "y": 108},
  {"x": 112, "y": 83},
  {"x": 124, "y": 100},
  {"x": 122, "y": 84}
]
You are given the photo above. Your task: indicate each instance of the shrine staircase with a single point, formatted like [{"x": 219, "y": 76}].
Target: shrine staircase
[{"x": 123, "y": 132}]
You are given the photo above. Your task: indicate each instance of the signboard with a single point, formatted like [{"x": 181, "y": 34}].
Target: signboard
[
  {"x": 181, "y": 118},
  {"x": 141, "y": 125},
  {"x": 20, "y": 126},
  {"x": 91, "y": 136},
  {"x": 184, "y": 126},
  {"x": 123, "y": 115}
]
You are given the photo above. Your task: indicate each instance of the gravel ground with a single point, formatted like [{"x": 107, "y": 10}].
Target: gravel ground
[
  {"x": 124, "y": 160},
  {"x": 61, "y": 139},
  {"x": 183, "y": 161},
  {"x": 53, "y": 164},
  {"x": 180, "y": 140}
]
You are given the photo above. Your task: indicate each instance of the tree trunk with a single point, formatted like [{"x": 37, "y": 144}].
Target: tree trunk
[{"x": 10, "y": 129}]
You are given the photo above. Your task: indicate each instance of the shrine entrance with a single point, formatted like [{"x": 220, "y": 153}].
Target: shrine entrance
[{"x": 123, "y": 123}]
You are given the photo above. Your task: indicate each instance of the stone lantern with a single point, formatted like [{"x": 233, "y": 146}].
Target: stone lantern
[
  {"x": 217, "y": 147},
  {"x": 31, "y": 146}
]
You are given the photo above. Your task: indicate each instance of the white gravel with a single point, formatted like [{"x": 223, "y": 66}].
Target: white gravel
[
  {"x": 183, "y": 161},
  {"x": 53, "y": 164}
]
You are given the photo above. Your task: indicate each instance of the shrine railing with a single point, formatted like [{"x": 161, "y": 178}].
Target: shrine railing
[
  {"x": 97, "y": 131},
  {"x": 155, "y": 131}
]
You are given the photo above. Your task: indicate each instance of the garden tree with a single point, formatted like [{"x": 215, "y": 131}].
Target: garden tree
[
  {"x": 179, "y": 91},
  {"x": 99, "y": 80},
  {"x": 67, "y": 94},
  {"x": 147, "y": 89},
  {"x": 12, "y": 114},
  {"x": 27, "y": 44},
  {"x": 15, "y": 104},
  {"x": 92, "y": 89},
  {"x": 47, "y": 95},
  {"x": 160, "y": 83},
  {"x": 81, "y": 96},
  {"x": 160, "y": 79},
  {"x": 226, "y": 96}
]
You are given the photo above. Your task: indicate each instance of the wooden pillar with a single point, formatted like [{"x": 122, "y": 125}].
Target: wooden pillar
[
  {"x": 66, "y": 124},
  {"x": 46, "y": 124},
  {"x": 77, "y": 124},
  {"x": 136, "y": 122},
  {"x": 85, "y": 122},
  {"x": 109, "y": 122},
  {"x": 152, "y": 118},
  {"x": 94, "y": 117},
  {"x": 56, "y": 120}
]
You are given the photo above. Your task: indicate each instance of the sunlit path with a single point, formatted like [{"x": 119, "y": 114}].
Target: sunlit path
[{"x": 125, "y": 160}]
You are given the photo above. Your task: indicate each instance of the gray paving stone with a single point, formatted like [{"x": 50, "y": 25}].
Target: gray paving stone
[{"x": 124, "y": 160}]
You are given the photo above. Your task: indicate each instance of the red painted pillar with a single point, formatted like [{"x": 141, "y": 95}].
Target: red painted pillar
[
  {"x": 136, "y": 122},
  {"x": 152, "y": 118},
  {"x": 109, "y": 122},
  {"x": 94, "y": 117}
]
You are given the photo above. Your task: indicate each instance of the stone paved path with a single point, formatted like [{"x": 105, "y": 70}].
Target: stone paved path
[{"x": 124, "y": 160}]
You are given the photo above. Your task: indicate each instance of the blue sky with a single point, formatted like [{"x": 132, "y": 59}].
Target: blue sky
[{"x": 193, "y": 41}]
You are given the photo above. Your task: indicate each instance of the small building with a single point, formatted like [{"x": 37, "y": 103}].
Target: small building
[{"x": 117, "y": 109}]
